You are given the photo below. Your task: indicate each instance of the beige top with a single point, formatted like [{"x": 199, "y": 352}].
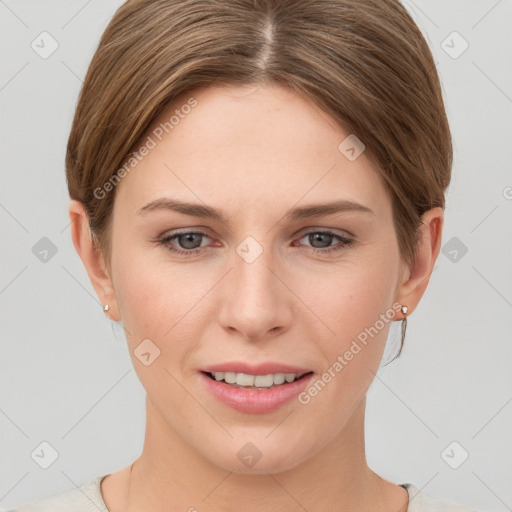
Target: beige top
[{"x": 88, "y": 498}]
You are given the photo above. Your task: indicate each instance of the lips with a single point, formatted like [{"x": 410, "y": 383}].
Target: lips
[
  {"x": 230, "y": 383},
  {"x": 256, "y": 401}
]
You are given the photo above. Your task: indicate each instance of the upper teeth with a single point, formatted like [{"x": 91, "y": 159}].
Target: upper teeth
[{"x": 260, "y": 381}]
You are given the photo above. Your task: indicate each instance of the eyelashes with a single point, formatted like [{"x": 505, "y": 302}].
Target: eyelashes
[{"x": 167, "y": 242}]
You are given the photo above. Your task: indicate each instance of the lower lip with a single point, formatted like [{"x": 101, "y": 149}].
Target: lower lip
[{"x": 254, "y": 401}]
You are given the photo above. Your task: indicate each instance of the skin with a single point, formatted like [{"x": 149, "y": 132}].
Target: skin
[{"x": 254, "y": 153}]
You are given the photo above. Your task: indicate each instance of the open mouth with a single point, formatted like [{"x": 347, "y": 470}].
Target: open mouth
[{"x": 258, "y": 382}]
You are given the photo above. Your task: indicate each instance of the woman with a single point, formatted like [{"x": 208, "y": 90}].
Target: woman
[{"x": 257, "y": 193}]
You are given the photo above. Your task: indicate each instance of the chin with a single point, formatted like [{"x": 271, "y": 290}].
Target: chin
[{"x": 259, "y": 457}]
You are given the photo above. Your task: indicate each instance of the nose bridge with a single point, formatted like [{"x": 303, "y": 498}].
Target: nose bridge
[
  {"x": 255, "y": 300},
  {"x": 255, "y": 283}
]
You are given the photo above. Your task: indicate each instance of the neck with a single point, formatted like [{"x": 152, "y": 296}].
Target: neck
[{"x": 170, "y": 473}]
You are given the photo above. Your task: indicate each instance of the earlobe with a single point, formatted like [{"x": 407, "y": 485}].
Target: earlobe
[
  {"x": 91, "y": 257},
  {"x": 418, "y": 275}
]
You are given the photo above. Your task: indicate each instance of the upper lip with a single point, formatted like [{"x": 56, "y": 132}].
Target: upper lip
[{"x": 264, "y": 368}]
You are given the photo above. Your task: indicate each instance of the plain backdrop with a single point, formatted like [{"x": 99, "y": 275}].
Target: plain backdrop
[{"x": 439, "y": 417}]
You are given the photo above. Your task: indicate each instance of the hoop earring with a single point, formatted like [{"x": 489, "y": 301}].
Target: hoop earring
[{"x": 404, "y": 310}]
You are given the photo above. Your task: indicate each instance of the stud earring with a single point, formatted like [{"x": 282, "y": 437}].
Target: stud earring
[{"x": 106, "y": 308}]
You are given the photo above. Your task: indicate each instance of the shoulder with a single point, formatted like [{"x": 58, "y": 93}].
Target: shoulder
[
  {"x": 86, "y": 498},
  {"x": 422, "y": 502}
]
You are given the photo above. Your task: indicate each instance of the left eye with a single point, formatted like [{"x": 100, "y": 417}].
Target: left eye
[
  {"x": 325, "y": 237},
  {"x": 190, "y": 242}
]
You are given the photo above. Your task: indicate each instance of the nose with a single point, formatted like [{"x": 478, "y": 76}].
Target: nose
[{"x": 256, "y": 303}]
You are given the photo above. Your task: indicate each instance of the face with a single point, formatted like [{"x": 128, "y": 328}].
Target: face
[{"x": 267, "y": 285}]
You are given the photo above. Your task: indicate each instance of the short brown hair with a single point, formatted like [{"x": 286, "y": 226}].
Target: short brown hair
[{"x": 365, "y": 62}]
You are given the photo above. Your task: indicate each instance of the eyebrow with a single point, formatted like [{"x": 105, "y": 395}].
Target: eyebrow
[{"x": 207, "y": 212}]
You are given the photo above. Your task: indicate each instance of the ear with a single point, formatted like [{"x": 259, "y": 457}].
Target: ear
[
  {"x": 418, "y": 275},
  {"x": 91, "y": 257}
]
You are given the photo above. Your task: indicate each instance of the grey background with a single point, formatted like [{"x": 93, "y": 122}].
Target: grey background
[{"x": 66, "y": 376}]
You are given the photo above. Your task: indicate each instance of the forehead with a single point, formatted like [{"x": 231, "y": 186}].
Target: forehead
[{"x": 249, "y": 149}]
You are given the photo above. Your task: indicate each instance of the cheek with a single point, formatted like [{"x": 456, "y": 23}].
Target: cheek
[
  {"x": 350, "y": 299},
  {"x": 350, "y": 303},
  {"x": 156, "y": 303},
  {"x": 152, "y": 296},
  {"x": 350, "y": 296}
]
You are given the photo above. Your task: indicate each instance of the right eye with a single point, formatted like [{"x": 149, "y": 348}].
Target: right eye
[{"x": 187, "y": 240}]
